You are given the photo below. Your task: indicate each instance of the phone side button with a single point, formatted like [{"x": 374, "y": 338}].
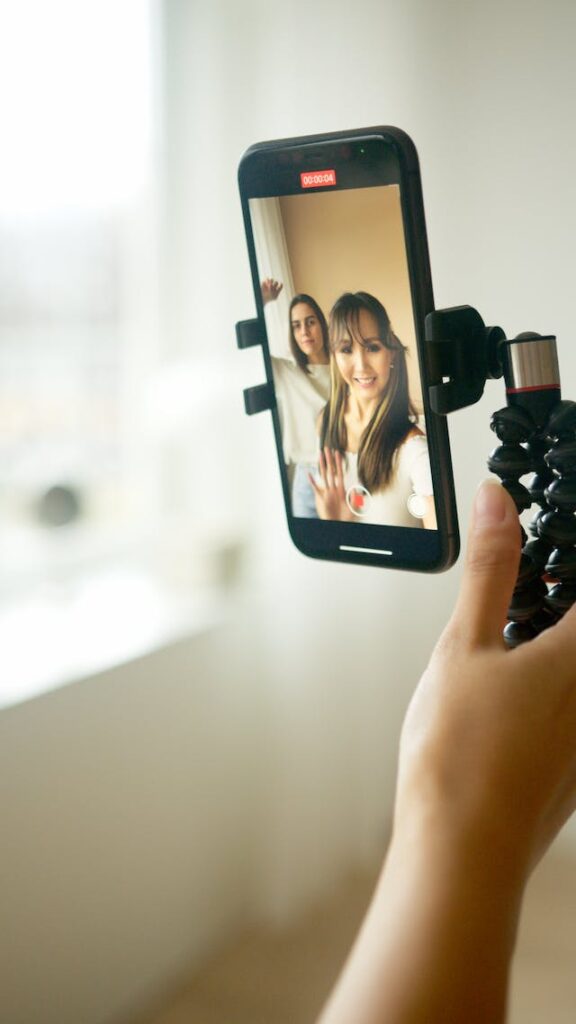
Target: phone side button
[{"x": 259, "y": 398}]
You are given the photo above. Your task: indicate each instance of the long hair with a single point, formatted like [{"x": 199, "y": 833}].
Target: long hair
[
  {"x": 300, "y": 357},
  {"x": 395, "y": 416}
]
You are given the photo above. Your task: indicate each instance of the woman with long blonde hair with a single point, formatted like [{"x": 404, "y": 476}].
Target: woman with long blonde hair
[{"x": 373, "y": 463}]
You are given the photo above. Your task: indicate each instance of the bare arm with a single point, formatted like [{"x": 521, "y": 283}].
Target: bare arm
[{"x": 487, "y": 777}]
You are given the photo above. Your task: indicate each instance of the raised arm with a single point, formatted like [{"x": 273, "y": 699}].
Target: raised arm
[{"x": 487, "y": 777}]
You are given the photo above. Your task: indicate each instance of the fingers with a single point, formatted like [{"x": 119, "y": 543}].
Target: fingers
[
  {"x": 317, "y": 489},
  {"x": 340, "y": 475},
  {"x": 491, "y": 567},
  {"x": 329, "y": 489},
  {"x": 330, "y": 466},
  {"x": 322, "y": 468},
  {"x": 334, "y": 470},
  {"x": 490, "y": 571},
  {"x": 270, "y": 289}
]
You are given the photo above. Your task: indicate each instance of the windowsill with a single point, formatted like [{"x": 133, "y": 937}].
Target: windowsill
[{"x": 59, "y": 634}]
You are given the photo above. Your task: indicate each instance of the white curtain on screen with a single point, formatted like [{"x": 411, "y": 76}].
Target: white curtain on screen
[{"x": 273, "y": 261}]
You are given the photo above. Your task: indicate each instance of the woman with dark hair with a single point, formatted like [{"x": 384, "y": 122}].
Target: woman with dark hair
[
  {"x": 373, "y": 464},
  {"x": 301, "y": 383},
  {"x": 308, "y": 330},
  {"x": 308, "y": 336}
]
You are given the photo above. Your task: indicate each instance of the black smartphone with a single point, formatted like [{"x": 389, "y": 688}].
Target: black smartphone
[{"x": 339, "y": 258}]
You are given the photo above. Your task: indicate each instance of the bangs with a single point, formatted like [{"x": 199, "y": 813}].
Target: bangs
[
  {"x": 345, "y": 319},
  {"x": 343, "y": 323}
]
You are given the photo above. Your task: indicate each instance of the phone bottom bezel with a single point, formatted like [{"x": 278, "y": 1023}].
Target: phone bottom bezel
[{"x": 392, "y": 547}]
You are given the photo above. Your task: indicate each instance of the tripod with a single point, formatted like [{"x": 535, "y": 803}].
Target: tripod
[{"x": 537, "y": 431}]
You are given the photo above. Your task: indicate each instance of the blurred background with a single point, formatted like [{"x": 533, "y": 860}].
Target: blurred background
[{"x": 199, "y": 727}]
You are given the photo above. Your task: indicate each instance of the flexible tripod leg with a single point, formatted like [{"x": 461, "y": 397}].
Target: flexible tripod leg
[{"x": 546, "y": 584}]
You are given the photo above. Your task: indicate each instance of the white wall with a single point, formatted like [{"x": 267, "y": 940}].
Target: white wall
[
  {"x": 128, "y": 804},
  {"x": 146, "y": 811}
]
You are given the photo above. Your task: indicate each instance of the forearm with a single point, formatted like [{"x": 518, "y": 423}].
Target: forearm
[
  {"x": 486, "y": 779},
  {"x": 437, "y": 942}
]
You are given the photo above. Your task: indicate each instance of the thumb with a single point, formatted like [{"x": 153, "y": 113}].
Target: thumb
[{"x": 492, "y": 557}]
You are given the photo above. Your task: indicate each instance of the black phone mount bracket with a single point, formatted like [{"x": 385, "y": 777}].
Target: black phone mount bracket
[
  {"x": 464, "y": 354},
  {"x": 537, "y": 434},
  {"x": 250, "y": 333}
]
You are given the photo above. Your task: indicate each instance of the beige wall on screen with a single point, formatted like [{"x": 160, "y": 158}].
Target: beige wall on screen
[{"x": 353, "y": 241}]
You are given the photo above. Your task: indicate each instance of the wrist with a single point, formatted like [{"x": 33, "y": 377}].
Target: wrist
[
  {"x": 453, "y": 905},
  {"x": 465, "y": 858},
  {"x": 474, "y": 817}
]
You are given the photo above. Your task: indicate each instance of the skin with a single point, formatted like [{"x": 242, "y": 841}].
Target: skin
[
  {"x": 306, "y": 328},
  {"x": 307, "y": 333},
  {"x": 365, "y": 365},
  {"x": 330, "y": 492},
  {"x": 486, "y": 779},
  {"x": 270, "y": 290}
]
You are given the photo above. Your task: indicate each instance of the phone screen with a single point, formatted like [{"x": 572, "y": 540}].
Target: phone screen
[{"x": 334, "y": 273}]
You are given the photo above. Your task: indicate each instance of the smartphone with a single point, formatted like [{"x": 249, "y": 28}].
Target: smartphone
[{"x": 339, "y": 259}]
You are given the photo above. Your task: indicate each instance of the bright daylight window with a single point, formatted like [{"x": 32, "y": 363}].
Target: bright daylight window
[{"x": 78, "y": 307}]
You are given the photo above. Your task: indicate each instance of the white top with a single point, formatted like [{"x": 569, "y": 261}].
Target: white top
[
  {"x": 411, "y": 481},
  {"x": 300, "y": 397}
]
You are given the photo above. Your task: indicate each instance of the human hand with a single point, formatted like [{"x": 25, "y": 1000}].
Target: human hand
[
  {"x": 488, "y": 747},
  {"x": 487, "y": 777},
  {"x": 330, "y": 494},
  {"x": 270, "y": 290}
]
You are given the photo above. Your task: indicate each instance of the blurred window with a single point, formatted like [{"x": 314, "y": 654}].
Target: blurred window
[{"x": 78, "y": 281}]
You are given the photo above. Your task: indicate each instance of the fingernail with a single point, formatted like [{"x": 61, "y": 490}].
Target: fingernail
[{"x": 490, "y": 505}]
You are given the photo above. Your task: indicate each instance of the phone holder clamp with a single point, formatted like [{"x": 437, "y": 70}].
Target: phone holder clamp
[
  {"x": 464, "y": 354},
  {"x": 249, "y": 333},
  {"x": 537, "y": 434}
]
